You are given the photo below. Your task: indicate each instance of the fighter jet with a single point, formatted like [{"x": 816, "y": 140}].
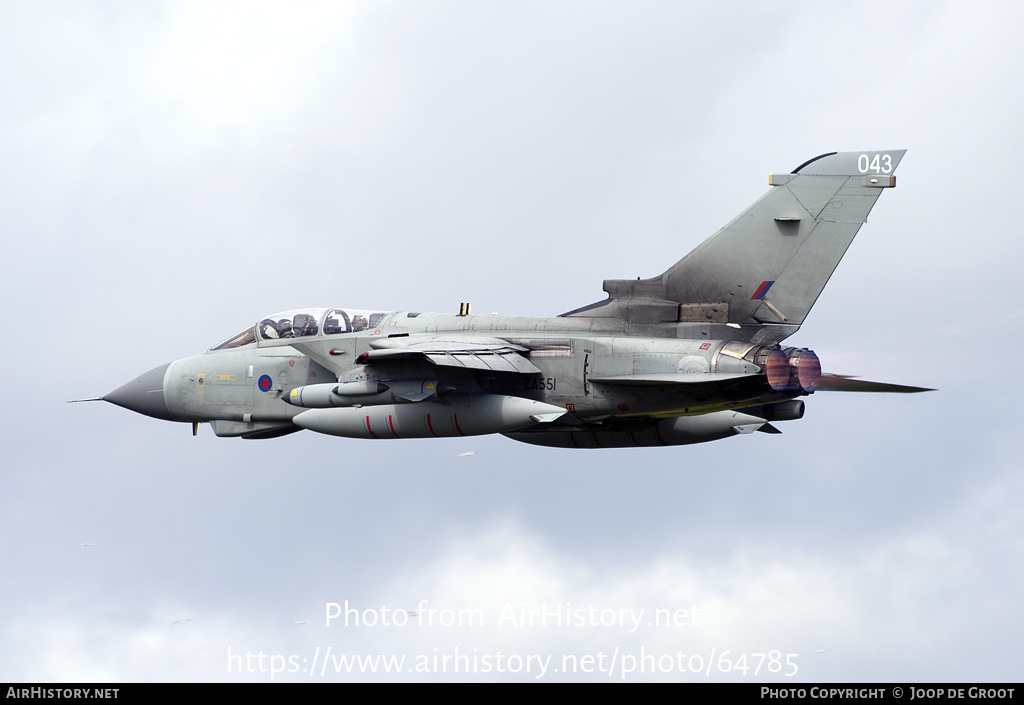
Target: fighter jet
[{"x": 692, "y": 355}]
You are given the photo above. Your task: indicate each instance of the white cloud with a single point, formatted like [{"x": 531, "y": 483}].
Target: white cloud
[{"x": 847, "y": 616}]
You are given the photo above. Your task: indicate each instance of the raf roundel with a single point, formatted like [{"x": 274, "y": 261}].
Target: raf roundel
[{"x": 265, "y": 383}]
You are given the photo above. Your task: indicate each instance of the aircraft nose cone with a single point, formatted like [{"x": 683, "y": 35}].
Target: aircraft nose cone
[{"x": 144, "y": 394}]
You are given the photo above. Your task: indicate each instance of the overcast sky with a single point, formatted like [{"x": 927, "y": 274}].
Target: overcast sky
[{"x": 172, "y": 172}]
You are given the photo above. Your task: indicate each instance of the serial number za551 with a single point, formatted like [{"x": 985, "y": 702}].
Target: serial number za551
[{"x": 540, "y": 383}]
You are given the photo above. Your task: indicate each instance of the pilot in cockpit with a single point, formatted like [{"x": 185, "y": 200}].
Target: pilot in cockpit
[
  {"x": 268, "y": 329},
  {"x": 305, "y": 324}
]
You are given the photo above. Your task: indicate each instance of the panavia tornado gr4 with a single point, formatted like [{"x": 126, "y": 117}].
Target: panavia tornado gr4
[{"x": 695, "y": 354}]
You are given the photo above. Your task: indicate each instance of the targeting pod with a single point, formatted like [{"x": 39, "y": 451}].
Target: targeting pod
[
  {"x": 404, "y": 391},
  {"x": 325, "y": 396}
]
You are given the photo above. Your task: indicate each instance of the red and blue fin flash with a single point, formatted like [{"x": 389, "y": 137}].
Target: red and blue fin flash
[{"x": 762, "y": 290}]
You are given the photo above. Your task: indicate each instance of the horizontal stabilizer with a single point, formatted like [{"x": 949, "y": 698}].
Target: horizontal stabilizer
[{"x": 846, "y": 383}]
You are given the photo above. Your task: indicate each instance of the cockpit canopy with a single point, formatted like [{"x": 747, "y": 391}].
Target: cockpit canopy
[{"x": 303, "y": 323}]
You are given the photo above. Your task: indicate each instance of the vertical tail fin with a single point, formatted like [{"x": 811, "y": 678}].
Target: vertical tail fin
[{"x": 769, "y": 265}]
